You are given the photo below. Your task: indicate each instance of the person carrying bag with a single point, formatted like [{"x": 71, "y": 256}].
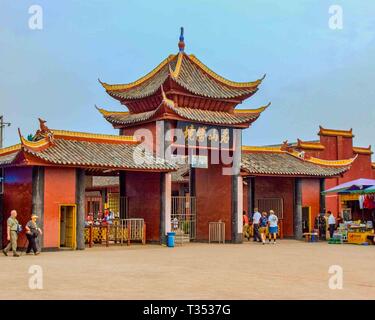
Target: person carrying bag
[{"x": 32, "y": 233}]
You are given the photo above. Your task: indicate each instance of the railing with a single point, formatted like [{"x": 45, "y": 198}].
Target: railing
[
  {"x": 120, "y": 231},
  {"x": 216, "y": 232},
  {"x": 183, "y": 215}
]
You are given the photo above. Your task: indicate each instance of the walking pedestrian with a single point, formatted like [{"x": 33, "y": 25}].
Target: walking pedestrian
[
  {"x": 263, "y": 226},
  {"x": 331, "y": 224},
  {"x": 13, "y": 228},
  {"x": 272, "y": 228},
  {"x": 256, "y": 219},
  {"x": 32, "y": 233},
  {"x": 246, "y": 227}
]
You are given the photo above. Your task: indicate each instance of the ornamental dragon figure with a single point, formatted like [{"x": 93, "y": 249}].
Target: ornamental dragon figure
[{"x": 43, "y": 132}]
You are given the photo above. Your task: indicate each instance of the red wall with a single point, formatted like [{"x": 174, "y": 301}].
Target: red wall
[
  {"x": 18, "y": 196},
  {"x": 270, "y": 187},
  {"x": 147, "y": 126},
  {"x": 214, "y": 199},
  {"x": 311, "y": 197},
  {"x": 59, "y": 188},
  {"x": 338, "y": 148},
  {"x": 143, "y": 191}
]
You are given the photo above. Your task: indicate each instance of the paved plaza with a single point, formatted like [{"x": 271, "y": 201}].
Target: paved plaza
[{"x": 288, "y": 270}]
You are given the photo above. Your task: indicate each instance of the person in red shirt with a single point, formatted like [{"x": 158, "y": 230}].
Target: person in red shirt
[{"x": 246, "y": 226}]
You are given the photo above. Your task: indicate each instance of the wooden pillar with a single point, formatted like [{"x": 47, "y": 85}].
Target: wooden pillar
[
  {"x": 123, "y": 195},
  {"x": 165, "y": 205},
  {"x": 192, "y": 179},
  {"x": 80, "y": 212},
  {"x": 322, "y": 202},
  {"x": 298, "y": 209},
  {"x": 237, "y": 189},
  {"x": 103, "y": 194},
  {"x": 250, "y": 196},
  {"x": 38, "y": 199}
]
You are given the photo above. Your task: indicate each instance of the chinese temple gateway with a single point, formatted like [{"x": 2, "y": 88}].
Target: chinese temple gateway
[{"x": 58, "y": 173}]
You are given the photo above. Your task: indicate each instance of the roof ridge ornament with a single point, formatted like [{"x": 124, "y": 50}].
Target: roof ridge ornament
[{"x": 181, "y": 43}]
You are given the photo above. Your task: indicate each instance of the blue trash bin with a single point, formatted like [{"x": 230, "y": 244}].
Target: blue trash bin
[{"x": 170, "y": 239}]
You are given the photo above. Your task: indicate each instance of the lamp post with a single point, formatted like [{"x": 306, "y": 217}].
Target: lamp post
[{"x": 2, "y": 125}]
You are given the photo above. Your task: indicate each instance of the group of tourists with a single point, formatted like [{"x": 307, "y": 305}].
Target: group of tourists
[
  {"x": 261, "y": 223},
  {"x": 14, "y": 228}
]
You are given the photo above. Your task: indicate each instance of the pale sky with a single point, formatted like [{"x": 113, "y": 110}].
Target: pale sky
[{"x": 315, "y": 75}]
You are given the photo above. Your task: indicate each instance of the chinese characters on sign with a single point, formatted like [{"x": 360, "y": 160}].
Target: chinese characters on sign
[{"x": 210, "y": 136}]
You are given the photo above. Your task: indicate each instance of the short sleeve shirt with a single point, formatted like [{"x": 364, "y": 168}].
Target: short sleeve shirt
[
  {"x": 331, "y": 219},
  {"x": 256, "y": 217},
  {"x": 272, "y": 219},
  {"x": 263, "y": 221},
  {"x": 33, "y": 226},
  {"x": 12, "y": 224}
]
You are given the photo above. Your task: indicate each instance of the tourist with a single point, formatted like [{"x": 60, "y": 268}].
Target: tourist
[
  {"x": 13, "y": 228},
  {"x": 331, "y": 224},
  {"x": 246, "y": 226},
  {"x": 263, "y": 226},
  {"x": 256, "y": 219},
  {"x": 322, "y": 226},
  {"x": 272, "y": 229},
  {"x": 32, "y": 233}
]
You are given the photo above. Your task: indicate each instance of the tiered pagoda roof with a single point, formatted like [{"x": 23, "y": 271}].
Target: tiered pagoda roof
[
  {"x": 168, "y": 109},
  {"x": 79, "y": 149},
  {"x": 198, "y": 94}
]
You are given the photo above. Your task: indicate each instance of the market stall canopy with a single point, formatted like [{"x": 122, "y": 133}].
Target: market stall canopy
[
  {"x": 350, "y": 186},
  {"x": 369, "y": 190}
]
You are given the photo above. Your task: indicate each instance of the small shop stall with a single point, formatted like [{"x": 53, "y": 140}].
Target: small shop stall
[{"x": 358, "y": 202}]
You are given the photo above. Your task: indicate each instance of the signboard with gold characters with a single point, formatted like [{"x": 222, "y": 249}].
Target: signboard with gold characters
[{"x": 196, "y": 134}]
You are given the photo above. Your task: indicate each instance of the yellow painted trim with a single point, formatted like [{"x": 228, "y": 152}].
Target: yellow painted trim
[
  {"x": 34, "y": 144},
  {"x": 310, "y": 145},
  {"x": 310, "y": 227},
  {"x": 74, "y": 224},
  {"x": 361, "y": 150},
  {"x": 262, "y": 149},
  {"x": 109, "y": 113},
  {"x": 115, "y": 87},
  {"x": 108, "y": 137},
  {"x": 10, "y": 149},
  {"x": 331, "y": 132},
  {"x": 221, "y": 79},
  {"x": 348, "y": 197},
  {"x": 331, "y": 163},
  {"x": 259, "y": 110},
  {"x": 177, "y": 70}
]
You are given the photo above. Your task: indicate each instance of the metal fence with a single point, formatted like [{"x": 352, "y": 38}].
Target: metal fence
[
  {"x": 183, "y": 216},
  {"x": 216, "y": 232}
]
